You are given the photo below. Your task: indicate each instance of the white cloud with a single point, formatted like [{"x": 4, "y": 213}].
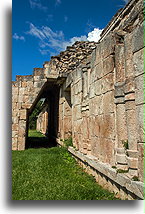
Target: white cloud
[
  {"x": 126, "y": 1},
  {"x": 54, "y": 42},
  {"x": 37, "y": 4},
  {"x": 15, "y": 36},
  {"x": 94, "y": 35}
]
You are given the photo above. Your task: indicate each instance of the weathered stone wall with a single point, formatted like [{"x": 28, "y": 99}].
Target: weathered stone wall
[
  {"x": 42, "y": 121},
  {"x": 107, "y": 95},
  {"x": 101, "y": 94},
  {"x": 24, "y": 92}
]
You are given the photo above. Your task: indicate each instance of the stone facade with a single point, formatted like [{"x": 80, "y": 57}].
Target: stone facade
[{"x": 95, "y": 93}]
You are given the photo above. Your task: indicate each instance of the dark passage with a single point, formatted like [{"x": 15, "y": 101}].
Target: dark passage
[
  {"x": 48, "y": 98},
  {"x": 38, "y": 140}
]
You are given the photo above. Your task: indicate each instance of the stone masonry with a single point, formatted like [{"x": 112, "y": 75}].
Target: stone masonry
[{"x": 95, "y": 93}]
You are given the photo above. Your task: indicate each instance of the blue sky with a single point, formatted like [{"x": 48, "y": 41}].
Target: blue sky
[{"x": 43, "y": 28}]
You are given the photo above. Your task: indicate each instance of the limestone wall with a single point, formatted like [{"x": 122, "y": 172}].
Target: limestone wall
[
  {"x": 100, "y": 99},
  {"x": 24, "y": 92},
  {"x": 107, "y": 95}
]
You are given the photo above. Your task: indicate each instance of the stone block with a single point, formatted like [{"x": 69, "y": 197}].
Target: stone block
[
  {"x": 95, "y": 105},
  {"x": 85, "y": 128},
  {"x": 15, "y": 127},
  {"x": 107, "y": 126},
  {"x": 15, "y": 119},
  {"x": 130, "y": 105},
  {"x": 25, "y": 99},
  {"x": 78, "y": 87},
  {"x": 94, "y": 125},
  {"x": 15, "y": 90},
  {"x": 132, "y": 153},
  {"x": 121, "y": 158},
  {"x": 121, "y": 124},
  {"x": 122, "y": 180},
  {"x": 119, "y": 89},
  {"x": 20, "y": 98},
  {"x": 24, "y": 84},
  {"x": 130, "y": 97},
  {"x": 98, "y": 54},
  {"x": 21, "y": 143},
  {"x": 107, "y": 45},
  {"x": 67, "y": 128},
  {"x": 138, "y": 62},
  {"x": 14, "y": 143},
  {"x": 98, "y": 87},
  {"x": 139, "y": 90},
  {"x": 108, "y": 65},
  {"x": 85, "y": 85},
  {"x": 140, "y": 116},
  {"x": 119, "y": 64},
  {"x": 23, "y": 114},
  {"x": 92, "y": 90},
  {"x": 14, "y": 98},
  {"x": 77, "y": 113},
  {"x": 132, "y": 162},
  {"x": 137, "y": 188},
  {"x": 98, "y": 71},
  {"x": 111, "y": 173},
  {"x": 37, "y": 78},
  {"x": 22, "y": 128},
  {"x": 137, "y": 40},
  {"x": 129, "y": 69},
  {"x": 119, "y": 100},
  {"x": 26, "y": 105},
  {"x": 92, "y": 75},
  {"x": 106, "y": 151},
  {"x": 131, "y": 129},
  {"x": 140, "y": 147},
  {"x": 108, "y": 102},
  {"x": 14, "y": 134},
  {"x": 128, "y": 46},
  {"x": 129, "y": 86},
  {"x": 14, "y": 106},
  {"x": 21, "y": 91},
  {"x": 108, "y": 82},
  {"x": 120, "y": 151}
]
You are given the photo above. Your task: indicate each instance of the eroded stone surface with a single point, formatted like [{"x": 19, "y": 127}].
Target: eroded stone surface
[{"x": 99, "y": 93}]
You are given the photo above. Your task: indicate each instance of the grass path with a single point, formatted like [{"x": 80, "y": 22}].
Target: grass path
[{"x": 52, "y": 174}]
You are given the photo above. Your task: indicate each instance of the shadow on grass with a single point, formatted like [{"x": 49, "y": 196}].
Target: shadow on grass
[{"x": 38, "y": 142}]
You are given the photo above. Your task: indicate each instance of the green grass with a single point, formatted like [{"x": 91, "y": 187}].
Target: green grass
[
  {"x": 52, "y": 174},
  {"x": 34, "y": 133}
]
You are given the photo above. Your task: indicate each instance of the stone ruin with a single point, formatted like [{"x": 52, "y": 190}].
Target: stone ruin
[{"x": 95, "y": 95}]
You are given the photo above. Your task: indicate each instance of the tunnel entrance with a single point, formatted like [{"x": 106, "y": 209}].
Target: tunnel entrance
[{"x": 42, "y": 118}]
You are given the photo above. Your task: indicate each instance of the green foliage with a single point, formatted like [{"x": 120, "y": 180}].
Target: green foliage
[
  {"x": 135, "y": 178},
  {"x": 52, "y": 174},
  {"x": 68, "y": 142},
  {"x": 121, "y": 171},
  {"x": 114, "y": 167},
  {"x": 35, "y": 133},
  {"x": 34, "y": 114},
  {"x": 125, "y": 144}
]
